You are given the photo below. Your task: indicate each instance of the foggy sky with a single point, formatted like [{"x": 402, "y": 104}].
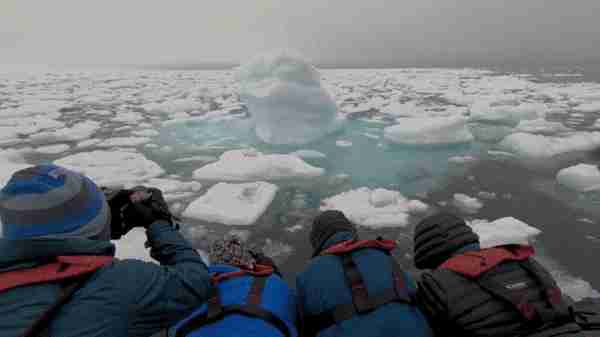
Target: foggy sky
[{"x": 329, "y": 32}]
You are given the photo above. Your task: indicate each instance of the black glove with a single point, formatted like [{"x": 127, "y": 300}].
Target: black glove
[
  {"x": 138, "y": 207},
  {"x": 146, "y": 207}
]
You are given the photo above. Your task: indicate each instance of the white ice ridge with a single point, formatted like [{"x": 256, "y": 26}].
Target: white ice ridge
[
  {"x": 466, "y": 203},
  {"x": 285, "y": 98},
  {"x": 429, "y": 131},
  {"x": 378, "y": 208},
  {"x": 251, "y": 165},
  {"x": 581, "y": 177},
  {"x": 504, "y": 231},
  {"x": 232, "y": 204},
  {"x": 11, "y": 161},
  {"x": 112, "y": 168},
  {"x": 531, "y": 146}
]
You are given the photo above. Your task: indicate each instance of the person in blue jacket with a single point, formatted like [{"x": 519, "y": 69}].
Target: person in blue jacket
[
  {"x": 249, "y": 298},
  {"x": 353, "y": 287},
  {"x": 58, "y": 276}
]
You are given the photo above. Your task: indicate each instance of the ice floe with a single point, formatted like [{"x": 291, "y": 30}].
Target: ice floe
[
  {"x": 378, "y": 208},
  {"x": 503, "y": 231},
  {"x": 112, "y": 168},
  {"x": 232, "y": 204},
  {"x": 539, "y": 146},
  {"x": 429, "y": 131},
  {"x": 581, "y": 177},
  {"x": 251, "y": 165},
  {"x": 466, "y": 204}
]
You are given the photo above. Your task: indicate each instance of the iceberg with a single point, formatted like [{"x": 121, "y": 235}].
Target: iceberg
[
  {"x": 249, "y": 200},
  {"x": 429, "y": 131},
  {"x": 285, "y": 98},
  {"x": 251, "y": 165},
  {"x": 466, "y": 203}
]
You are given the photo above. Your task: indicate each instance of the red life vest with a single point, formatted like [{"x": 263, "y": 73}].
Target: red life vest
[
  {"x": 475, "y": 265},
  {"x": 362, "y": 301},
  {"x": 65, "y": 267},
  {"x": 216, "y": 311}
]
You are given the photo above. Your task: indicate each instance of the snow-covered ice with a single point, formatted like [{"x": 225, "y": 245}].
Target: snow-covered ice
[
  {"x": 581, "y": 177},
  {"x": 308, "y": 154},
  {"x": 467, "y": 204},
  {"x": 124, "y": 142},
  {"x": 285, "y": 98},
  {"x": 503, "y": 231},
  {"x": 251, "y": 165},
  {"x": 378, "y": 208},
  {"x": 429, "y": 131},
  {"x": 532, "y": 146},
  {"x": 232, "y": 204},
  {"x": 53, "y": 149},
  {"x": 112, "y": 168},
  {"x": 10, "y": 162}
]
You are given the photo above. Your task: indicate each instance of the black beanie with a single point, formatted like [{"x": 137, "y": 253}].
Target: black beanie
[
  {"x": 438, "y": 237},
  {"x": 325, "y": 226}
]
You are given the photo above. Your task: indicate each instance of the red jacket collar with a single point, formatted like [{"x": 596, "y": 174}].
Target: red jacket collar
[{"x": 473, "y": 264}]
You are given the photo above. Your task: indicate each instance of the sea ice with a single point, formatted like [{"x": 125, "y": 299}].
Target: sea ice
[
  {"x": 124, "y": 142},
  {"x": 429, "y": 131},
  {"x": 53, "y": 149},
  {"x": 286, "y": 100},
  {"x": 232, "y": 204},
  {"x": 10, "y": 162},
  {"x": 378, "y": 208},
  {"x": 77, "y": 132},
  {"x": 503, "y": 231},
  {"x": 112, "y": 168},
  {"x": 466, "y": 203},
  {"x": 251, "y": 165},
  {"x": 581, "y": 177},
  {"x": 538, "y": 146},
  {"x": 308, "y": 154},
  {"x": 131, "y": 246}
]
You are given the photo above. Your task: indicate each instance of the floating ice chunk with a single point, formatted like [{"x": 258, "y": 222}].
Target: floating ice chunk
[
  {"x": 77, "y": 132},
  {"x": 541, "y": 126},
  {"x": 429, "y": 131},
  {"x": 581, "y": 177},
  {"x": 168, "y": 186},
  {"x": 538, "y": 146},
  {"x": 462, "y": 159},
  {"x": 112, "y": 168},
  {"x": 309, "y": 154},
  {"x": 10, "y": 162},
  {"x": 251, "y": 165},
  {"x": 466, "y": 203},
  {"x": 146, "y": 133},
  {"x": 377, "y": 208},
  {"x": 343, "y": 143},
  {"x": 589, "y": 107},
  {"x": 88, "y": 143},
  {"x": 203, "y": 159},
  {"x": 30, "y": 125},
  {"x": 503, "y": 231},
  {"x": 233, "y": 204},
  {"x": 8, "y": 136},
  {"x": 124, "y": 142},
  {"x": 286, "y": 100},
  {"x": 129, "y": 117},
  {"x": 53, "y": 149},
  {"x": 506, "y": 114},
  {"x": 99, "y": 112},
  {"x": 132, "y": 246}
]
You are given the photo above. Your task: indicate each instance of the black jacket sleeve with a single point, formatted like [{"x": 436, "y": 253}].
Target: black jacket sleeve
[{"x": 432, "y": 300}]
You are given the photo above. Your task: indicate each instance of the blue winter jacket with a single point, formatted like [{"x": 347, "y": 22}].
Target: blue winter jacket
[
  {"x": 277, "y": 298},
  {"x": 322, "y": 286},
  {"x": 125, "y": 298}
]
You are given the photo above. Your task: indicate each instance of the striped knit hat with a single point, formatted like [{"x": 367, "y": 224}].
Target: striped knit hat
[{"x": 49, "y": 201}]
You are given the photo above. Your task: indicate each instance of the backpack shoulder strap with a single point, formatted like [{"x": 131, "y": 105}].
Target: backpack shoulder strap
[{"x": 39, "y": 328}]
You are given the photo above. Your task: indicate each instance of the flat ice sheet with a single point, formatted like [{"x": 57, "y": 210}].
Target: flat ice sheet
[{"x": 232, "y": 204}]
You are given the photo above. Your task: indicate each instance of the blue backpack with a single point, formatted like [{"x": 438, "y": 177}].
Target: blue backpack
[{"x": 243, "y": 303}]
